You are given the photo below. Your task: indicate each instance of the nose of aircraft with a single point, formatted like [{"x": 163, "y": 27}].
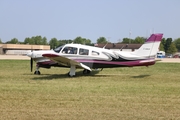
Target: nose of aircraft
[{"x": 29, "y": 54}]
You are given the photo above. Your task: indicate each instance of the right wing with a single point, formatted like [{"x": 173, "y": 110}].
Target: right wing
[{"x": 65, "y": 61}]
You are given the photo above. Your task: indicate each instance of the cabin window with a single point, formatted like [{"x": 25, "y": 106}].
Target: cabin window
[
  {"x": 58, "y": 49},
  {"x": 95, "y": 53},
  {"x": 83, "y": 51},
  {"x": 69, "y": 50}
]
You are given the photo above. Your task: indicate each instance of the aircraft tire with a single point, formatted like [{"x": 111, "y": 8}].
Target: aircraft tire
[
  {"x": 86, "y": 71},
  {"x": 70, "y": 75},
  {"x": 37, "y": 72}
]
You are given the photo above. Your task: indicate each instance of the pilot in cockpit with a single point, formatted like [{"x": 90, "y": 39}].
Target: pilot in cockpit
[{"x": 70, "y": 50}]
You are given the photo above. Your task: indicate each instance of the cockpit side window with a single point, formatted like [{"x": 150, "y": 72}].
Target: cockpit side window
[
  {"x": 83, "y": 51},
  {"x": 69, "y": 50},
  {"x": 58, "y": 49}
]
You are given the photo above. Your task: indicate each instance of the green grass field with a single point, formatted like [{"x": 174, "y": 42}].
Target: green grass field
[{"x": 112, "y": 94}]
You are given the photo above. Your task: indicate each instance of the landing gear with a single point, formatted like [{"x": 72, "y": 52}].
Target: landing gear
[
  {"x": 72, "y": 71},
  {"x": 37, "y": 72},
  {"x": 71, "y": 75},
  {"x": 85, "y": 72}
]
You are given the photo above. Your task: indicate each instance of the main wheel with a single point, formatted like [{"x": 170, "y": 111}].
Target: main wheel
[
  {"x": 37, "y": 73},
  {"x": 86, "y": 71},
  {"x": 70, "y": 75}
]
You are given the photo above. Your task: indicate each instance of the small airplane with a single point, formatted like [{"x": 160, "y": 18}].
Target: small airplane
[{"x": 89, "y": 57}]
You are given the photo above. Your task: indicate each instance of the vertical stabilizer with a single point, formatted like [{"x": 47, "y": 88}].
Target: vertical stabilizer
[{"x": 150, "y": 47}]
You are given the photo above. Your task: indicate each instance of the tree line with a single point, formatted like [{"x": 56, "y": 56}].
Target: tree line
[{"x": 168, "y": 45}]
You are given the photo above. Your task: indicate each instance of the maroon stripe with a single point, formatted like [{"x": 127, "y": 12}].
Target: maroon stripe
[
  {"x": 50, "y": 55},
  {"x": 155, "y": 37}
]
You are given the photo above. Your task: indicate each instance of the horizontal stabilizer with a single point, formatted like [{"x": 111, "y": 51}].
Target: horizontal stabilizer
[{"x": 147, "y": 61}]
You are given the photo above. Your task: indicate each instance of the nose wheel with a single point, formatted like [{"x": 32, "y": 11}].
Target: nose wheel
[{"x": 37, "y": 72}]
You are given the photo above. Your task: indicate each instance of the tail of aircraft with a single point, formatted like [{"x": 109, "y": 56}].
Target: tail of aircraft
[{"x": 150, "y": 47}]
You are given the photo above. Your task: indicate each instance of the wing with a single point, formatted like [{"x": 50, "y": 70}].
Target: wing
[{"x": 65, "y": 61}]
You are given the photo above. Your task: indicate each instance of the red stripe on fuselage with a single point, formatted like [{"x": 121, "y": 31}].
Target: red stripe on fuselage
[{"x": 50, "y": 55}]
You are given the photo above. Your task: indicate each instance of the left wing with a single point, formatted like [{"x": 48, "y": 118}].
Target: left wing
[{"x": 66, "y": 61}]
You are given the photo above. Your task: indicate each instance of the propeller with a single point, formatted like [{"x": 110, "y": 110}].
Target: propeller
[
  {"x": 30, "y": 54},
  {"x": 31, "y": 64}
]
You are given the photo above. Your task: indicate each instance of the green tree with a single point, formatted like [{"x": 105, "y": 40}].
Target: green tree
[
  {"x": 127, "y": 40},
  {"x": 161, "y": 47},
  {"x": 102, "y": 40},
  {"x": 79, "y": 40},
  {"x": 167, "y": 44},
  {"x": 87, "y": 42},
  {"x": 1, "y": 41},
  {"x": 172, "y": 49},
  {"x": 177, "y": 43},
  {"x": 139, "y": 40},
  {"x": 162, "y": 44},
  {"x": 12, "y": 41},
  {"x": 53, "y": 43},
  {"x": 44, "y": 41},
  {"x": 63, "y": 42},
  {"x": 38, "y": 40},
  {"x": 28, "y": 41},
  {"x": 163, "y": 41}
]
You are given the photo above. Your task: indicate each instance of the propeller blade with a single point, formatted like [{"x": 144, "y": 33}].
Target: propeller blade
[{"x": 31, "y": 63}]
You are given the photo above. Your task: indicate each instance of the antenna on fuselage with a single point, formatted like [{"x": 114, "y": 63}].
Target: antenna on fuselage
[
  {"x": 106, "y": 43},
  {"x": 126, "y": 45}
]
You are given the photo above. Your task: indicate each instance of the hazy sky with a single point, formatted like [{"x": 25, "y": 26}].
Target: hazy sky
[{"x": 91, "y": 19}]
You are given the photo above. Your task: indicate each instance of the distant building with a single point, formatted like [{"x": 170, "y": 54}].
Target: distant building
[{"x": 20, "y": 49}]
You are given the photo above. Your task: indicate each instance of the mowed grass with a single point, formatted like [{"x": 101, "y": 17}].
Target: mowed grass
[{"x": 112, "y": 94}]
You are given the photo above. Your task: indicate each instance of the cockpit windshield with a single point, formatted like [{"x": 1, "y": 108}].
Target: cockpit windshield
[{"x": 58, "y": 49}]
